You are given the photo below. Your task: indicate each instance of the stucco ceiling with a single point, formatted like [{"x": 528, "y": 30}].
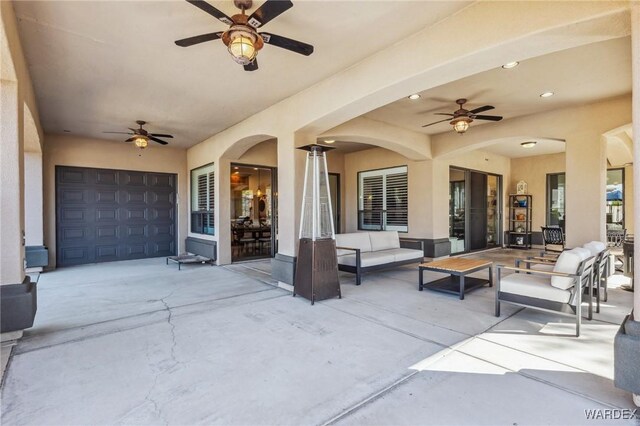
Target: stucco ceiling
[
  {"x": 577, "y": 76},
  {"x": 512, "y": 147},
  {"x": 99, "y": 66}
]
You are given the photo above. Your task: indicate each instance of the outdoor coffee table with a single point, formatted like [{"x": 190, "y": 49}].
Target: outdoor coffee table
[{"x": 456, "y": 267}]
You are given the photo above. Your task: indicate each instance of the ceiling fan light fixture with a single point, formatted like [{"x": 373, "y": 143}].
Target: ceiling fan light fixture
[
  {"x": 141, "y": 142},
  {"x": 461, "y": 125},
  {"x": 242, "y": 46},
  {"x": 528, "y": 144}
]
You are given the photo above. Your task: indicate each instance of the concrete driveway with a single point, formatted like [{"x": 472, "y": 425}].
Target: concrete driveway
[{"x": 140, "y": 342}]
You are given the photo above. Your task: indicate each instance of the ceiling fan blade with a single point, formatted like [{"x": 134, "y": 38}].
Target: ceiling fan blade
[
  {"x": 160, "y": 135},
  {"x": 481, "y": 109},
  {"x": 190, "y": 41},
  {"x": 487, "y": 117},
  {"x": 120, "y": 133},
  {"x": 287, "y": 43},
  {"x": 160, "y": 141},
  {"x": 130, "y": 140},
  {"x": 443, "y": 113},
  {"x": 269, "y": 10},
  {"x": 436, "y": 122},
  {"x": 252, "y": 66},
  {"x": 203, "y": 5}
]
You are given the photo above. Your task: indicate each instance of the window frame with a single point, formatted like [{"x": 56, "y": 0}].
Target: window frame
[
  {"x": 384, "y": 172},
  {"x": 209, "y": 171},
  {"x": 548, "y": 200}
]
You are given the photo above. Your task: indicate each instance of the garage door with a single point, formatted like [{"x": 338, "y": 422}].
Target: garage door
[{"x": 106, "y": 215}]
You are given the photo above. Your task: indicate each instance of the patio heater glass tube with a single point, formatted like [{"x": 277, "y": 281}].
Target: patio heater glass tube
[{"x": 317, "y": 212}]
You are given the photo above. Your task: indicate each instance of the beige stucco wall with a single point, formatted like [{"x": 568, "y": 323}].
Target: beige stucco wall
[
  {"x": 33, "y": 199},
  {"x": 533, "y": 170},
  {"x": 428, "y": 186},
  {"x": 63, "y": 150}
]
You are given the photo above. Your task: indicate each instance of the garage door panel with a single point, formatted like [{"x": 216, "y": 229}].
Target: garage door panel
[
  {"x": 80, "y": 233},
  {"x": 134, "y": 196},
  {"x": 106, "y": 177},
  {"x": 106, "y": 215},
  {"x": 75, "y": 196},
  {"x": 75, "y": 255},
  {"x": 74, "y": 214},
  {"x": 162, "y": 230},
  {"x": 104, "y": 232},
  {"x": 161, "y": 180},
  {"x": 106, "y": 253},
  {"x": 135, "y": 214},
  {"x": 129, "y": 179},
  {"x": 164, "y": 248},
  {"x": 71, "y": 176},
  {"x": 136, "y": 250},
  {"x": 108, "y": 196}
]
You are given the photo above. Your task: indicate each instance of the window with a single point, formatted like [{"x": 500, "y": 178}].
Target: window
[
  {"x": 555, "y": 199},
  {"x": 383, "y": 200},
  {"x": 615, "y": 199},
  {"x": 202, "y": 199}
]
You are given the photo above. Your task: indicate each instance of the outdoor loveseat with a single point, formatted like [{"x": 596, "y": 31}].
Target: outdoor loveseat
[{"x": 361, "y": 252}]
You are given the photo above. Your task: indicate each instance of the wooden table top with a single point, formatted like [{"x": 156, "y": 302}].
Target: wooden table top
[{"x": 456, "y": 264}]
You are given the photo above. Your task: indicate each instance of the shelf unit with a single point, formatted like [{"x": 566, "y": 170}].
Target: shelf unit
[{"x": 519, "y": 233}]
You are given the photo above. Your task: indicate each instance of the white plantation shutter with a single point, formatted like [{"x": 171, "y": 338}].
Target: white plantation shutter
[
  {"x": 383, "y": 199},
  {"x": 397, "y": 201},
  {"x": 202, "y": 200}
]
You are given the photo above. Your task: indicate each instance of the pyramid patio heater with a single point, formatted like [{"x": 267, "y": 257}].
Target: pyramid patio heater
[{"x": 317, "y": 266}]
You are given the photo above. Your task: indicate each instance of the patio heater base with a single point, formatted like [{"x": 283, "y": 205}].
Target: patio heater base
[{"x": 317, "y": 270}]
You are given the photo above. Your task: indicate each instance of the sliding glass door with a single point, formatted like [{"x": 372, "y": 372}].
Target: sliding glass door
[{"x": 474, "y": 210}]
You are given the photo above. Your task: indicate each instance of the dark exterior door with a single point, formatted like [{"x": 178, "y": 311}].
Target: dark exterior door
[
  {"x": 105, "y": 215},
  {"x": 478, "y": 211}
]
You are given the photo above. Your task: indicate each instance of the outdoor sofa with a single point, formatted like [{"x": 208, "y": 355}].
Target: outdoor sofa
[{"x": 362, "y": 252}]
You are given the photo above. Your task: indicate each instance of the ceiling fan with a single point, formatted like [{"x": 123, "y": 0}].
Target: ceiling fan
[
  {"x": 461, "y": 118},
  {"x": 242, "y": 39},
  {"x": 141, "y": 137}
]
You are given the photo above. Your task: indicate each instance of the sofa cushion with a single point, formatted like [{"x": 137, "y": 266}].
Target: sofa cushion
[
  {"x": 367, "y": 259},
  {"x": 533, "y": 286},
  {"x": 405, "y": 254},
  {"x": 595, "y": 247},
  {"x": 384, "y": 240},
  {"x": 582, "y": 252},
  {"x": 567, "y": 263},
  {"x": 359, "y": 240}
]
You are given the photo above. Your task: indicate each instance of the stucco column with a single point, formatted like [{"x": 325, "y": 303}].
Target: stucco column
[
  {"x": 291, "y": 163},
  {"x": 586, "y": 167},
  {"x": 11, "y": 194},
  {"x": 223, "y": 210},
  {"x": 635, "y": 116}
]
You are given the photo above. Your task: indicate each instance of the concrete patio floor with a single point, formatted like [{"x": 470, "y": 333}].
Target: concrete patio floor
[{"x": 140, "y": 342}]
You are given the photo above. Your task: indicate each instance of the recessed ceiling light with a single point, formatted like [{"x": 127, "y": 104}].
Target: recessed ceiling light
[
  {"x": 330, "y": 141},
  {"x": 510, "y": 65},
  {"x": 546, "y": 94},
  {"x": 528, "y": 144},
  {"x": 67, "y": 131},
  {"x": 414, "y": 96}
]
